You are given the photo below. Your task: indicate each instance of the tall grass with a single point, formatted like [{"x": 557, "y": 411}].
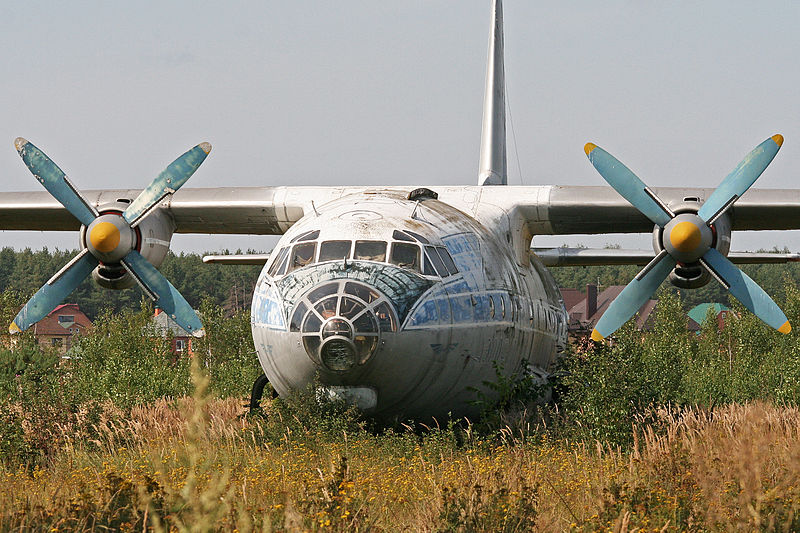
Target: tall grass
[
  {"x": 199, "y": 465},
  {"x": 663, "y": 431}
]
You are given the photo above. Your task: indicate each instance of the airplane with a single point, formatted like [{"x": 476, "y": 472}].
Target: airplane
[{"x": 407, "y": 300}]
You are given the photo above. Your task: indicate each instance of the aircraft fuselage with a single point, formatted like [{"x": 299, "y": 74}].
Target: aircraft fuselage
[{"x": 405, "y": 307}]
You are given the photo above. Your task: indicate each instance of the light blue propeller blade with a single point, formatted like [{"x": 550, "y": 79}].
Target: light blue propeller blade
[
  {"x": 170, "y": 180},
  {"x": 746, "y": 290},
  {"x": 54, "y": 291},
  {"x": 165, "y": 295},
  {"x": 628, "y": 185},
  {"x": 741, "y": 178},
  {"x": 55, "y": 181},
  {"x": 633, "y": 296}
]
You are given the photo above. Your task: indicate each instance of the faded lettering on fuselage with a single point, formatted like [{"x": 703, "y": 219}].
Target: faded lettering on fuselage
[
  {"x": 267, "y": 310},
  {"x": 466, "y": 251}
]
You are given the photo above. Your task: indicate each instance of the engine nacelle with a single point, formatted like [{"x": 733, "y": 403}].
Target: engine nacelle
[
  {"x": 693, "y": 275},
  {"x": 153, "y": 236}
]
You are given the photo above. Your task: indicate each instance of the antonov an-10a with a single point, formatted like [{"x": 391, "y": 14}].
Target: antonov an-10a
[{"x": 405, "y": 300}]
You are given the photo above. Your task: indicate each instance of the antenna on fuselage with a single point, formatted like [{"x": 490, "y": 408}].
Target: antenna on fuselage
[{"x": 492, "y": 168}]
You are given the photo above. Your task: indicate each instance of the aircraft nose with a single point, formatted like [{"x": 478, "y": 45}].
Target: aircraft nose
[
  {"x": 338, "y": 351},
  {"x": 341, "y": 323}
]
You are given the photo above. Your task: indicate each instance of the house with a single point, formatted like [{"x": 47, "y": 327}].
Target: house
[
  {"x": 60, "y": 328},
  {"x": 571, "y": 297},
  {"x": 586, "y": 309},
  {"x": 181, "y": 339}
]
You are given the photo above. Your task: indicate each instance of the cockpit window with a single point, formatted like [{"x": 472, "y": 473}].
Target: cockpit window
[
  {"x": 349, "y": 308},
  {"x": 447, "y": 260},
  {"x": 302, "y": 255},
  {"x": 400, "y": 236},
  {"x": 432, "y": 256},
  {"x": 417, "y": 236},
  {"x": 334, "y": 250},
  {"x": 278, "y": 260},
  {"x": 365, "y": 323},
  {"x": 342, "y": 328},
  {"x": 297, "y": 317},
  {"x": 428, "y": 269},
  {"x": 282, "y": 269},
  {"x": 361, "y": 291},
  {"x": 307, "y": 236},
  {"x": 311, "y": 236},
  {"x": 313, "y": 323},
  {"x": 385, "y": 317},
  {"x": 325, "y": 290},
  {"x": 370, "y": 251},
  {"x": 327, "y": 308},
  {"x": 405, "y": 256}
]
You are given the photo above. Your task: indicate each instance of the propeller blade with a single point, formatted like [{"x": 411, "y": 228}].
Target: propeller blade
[
  {"x": 740, "y": 179},
  {"x": 54, "y": 291},
  {"x": 170, "y": 180},
  {"x": 634, "y": 295},
  {"x": 55, "y": 181},
  {"x": 745, "y": 290},
  {"x": 162, "y": 292},
  {"x": 627, "y": 184}
]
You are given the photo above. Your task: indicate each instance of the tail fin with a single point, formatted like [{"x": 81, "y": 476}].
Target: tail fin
[{"x": 492, "y": 169}]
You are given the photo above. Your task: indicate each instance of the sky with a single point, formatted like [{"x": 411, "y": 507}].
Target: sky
[{"x": 390, "y": 93}]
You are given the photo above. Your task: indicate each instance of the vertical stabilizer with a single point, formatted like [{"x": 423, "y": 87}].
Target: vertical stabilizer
[{"x": 492, "y": 170}]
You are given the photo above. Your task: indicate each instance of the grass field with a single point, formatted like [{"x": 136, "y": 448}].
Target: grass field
[
  {"x": 126, "y": 437},
  {"x": 198, "y": 466}
]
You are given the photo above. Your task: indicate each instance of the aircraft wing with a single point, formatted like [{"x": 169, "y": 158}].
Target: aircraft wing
[
  {"x": 226, "y": 210},
  {"x": 237, "y": 259},
  {"x": 565, "y": 256},
  {"x": 570, "y": 210},
  {"x": 546, "y": 210}
]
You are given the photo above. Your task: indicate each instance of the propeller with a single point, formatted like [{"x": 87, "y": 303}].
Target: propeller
[
  {"x": 687, "y": 238},
  {"x": 110, "y": 238}
]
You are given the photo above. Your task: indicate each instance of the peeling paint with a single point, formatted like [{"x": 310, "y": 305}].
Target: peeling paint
[
  {"x": 403, "y": 287},
  {"x": 451, "y": 329}
]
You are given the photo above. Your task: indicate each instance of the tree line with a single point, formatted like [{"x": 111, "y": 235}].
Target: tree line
[
  {"x": 772, "y": 278},
  {"x": 227, "y": 286},
  {"x": 231, "y": 286}
]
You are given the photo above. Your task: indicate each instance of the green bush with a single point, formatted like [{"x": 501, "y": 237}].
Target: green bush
[
  {"x": 306, "y": 415},
  {"x": 227, "y": 351},
  {"x": 608, "y": 386},
  {"x": 126, "y": 361},
  {"x": 604, "y": 388},
  {"x": 124, "y": 358}
]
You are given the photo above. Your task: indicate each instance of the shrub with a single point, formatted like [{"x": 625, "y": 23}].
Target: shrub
[
  {"x": 125, "y": 359},
  {"x": 227, "y": 352}
]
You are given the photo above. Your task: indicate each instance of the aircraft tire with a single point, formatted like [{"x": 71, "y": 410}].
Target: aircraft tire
[{"x": 258, "y": 391}]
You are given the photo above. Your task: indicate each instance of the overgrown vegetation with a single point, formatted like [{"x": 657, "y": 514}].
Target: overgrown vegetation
[
  {"x": 771, "y": 277},
  {"x": 662, "y": 430},
  {"x": 608, "y": 385},
  {"x": 123, "y": 362},
  {"x": 225, "y": 285}
]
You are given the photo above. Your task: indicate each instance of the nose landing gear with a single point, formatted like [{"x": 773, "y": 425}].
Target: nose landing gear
[{"x": 258, "y": 391}]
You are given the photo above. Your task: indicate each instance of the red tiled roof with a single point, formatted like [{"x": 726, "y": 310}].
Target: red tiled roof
[
  {"x": 571, "y": 297},
  {"x": 50, "y": 325}
]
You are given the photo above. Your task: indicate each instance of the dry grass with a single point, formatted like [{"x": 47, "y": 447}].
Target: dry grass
[{"x": 197, "y": 466}]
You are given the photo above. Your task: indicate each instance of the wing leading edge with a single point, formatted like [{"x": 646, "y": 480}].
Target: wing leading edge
[
  {"x": 570, "y": 257},
  {"x": 544, "y": 210}
]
